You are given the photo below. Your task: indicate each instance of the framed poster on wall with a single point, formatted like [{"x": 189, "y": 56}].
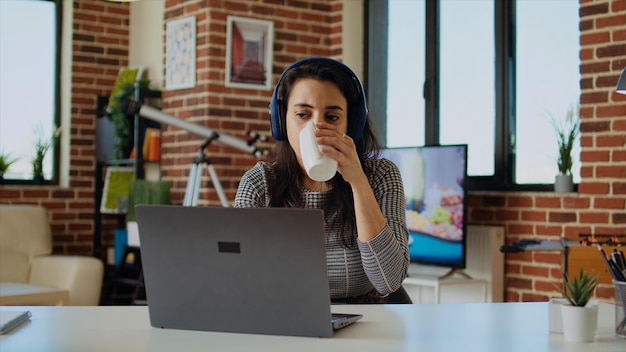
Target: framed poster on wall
[
  {"x": 249, "y": 44},
  {"x": 180, "y": 53},
  {"x": 116, "y": 190}
]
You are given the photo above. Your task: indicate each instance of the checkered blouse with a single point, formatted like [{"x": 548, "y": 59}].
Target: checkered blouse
[{"x": 380, "y": 263}]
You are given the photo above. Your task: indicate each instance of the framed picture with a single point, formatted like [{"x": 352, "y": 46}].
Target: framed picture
[
  {"x": 116, "y": 190},
  {"x": 249, "y": 49},
  {"x": 180, "y": 53}
]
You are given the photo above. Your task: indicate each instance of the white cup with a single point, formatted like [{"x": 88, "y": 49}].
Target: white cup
[{"x": 319, "y": 167}]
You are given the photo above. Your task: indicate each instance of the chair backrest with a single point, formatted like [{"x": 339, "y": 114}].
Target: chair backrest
[
  {"x": 24, "y": 234},
  {"x": 400, "y": 296}
]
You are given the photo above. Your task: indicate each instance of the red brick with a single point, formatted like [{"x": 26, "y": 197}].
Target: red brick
[
  {"x": 535, "y": 271},
  {"x": 597, "y": 218},
  {"x": 593, "y": 188},
  {"x": 547, "y": 202},
  {"x": 519, "y": 283},
  {"x": 575, "y": 203},
  {"x": 544, "y": 286},
  {"x": 562, "y": 216},
  {"x": 609, "y": 203},
  {"x": 547, "y": 257},
  {"x": 525, "y": 202},
  {"x": 533, "y": 216}
]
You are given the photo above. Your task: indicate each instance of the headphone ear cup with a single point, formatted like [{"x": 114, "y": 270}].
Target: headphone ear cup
[
  {"x": 357, "y": 126},
  {"x": 356, "y": 130},
  {"x": 277, "y": 119}
]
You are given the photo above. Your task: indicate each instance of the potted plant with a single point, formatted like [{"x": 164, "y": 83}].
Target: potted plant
[
  {"x": 580, "y": 316},
  {"x": 566, "y": 133},
  {"x": 5, "y": 161},
  {"x": 42, "y": 145},
  {"x": 123, "y": 125}
]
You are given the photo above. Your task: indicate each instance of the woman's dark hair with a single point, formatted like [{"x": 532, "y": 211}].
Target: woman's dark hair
[{"x": 287, "y": 187}]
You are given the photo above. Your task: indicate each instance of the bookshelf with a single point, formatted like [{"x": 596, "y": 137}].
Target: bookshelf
[{"x": 105, "y": 158}]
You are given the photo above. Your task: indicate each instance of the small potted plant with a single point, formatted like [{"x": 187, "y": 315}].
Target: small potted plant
[
  {"x": 580, "y": 316},
  {"x": 42, "y": 145},
  {"x": 566, "y": 133},
  {"x": 5, "y": 161}
]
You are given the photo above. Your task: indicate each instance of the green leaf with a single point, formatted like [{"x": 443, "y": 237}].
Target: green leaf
[{"x": 579, "y": 289}]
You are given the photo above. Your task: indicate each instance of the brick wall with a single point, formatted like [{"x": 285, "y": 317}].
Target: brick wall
[
  {"x": 100, "y": 46},
  {"x": 301, "y": 28}
]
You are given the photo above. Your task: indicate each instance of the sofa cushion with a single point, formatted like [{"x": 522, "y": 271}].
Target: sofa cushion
[
  {"x": 14, "y": 267},
  {"x": 24, "y": 234},
  {"x": 25, "y": 229}
]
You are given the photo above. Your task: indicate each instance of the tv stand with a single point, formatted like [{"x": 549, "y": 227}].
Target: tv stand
[
  {"x": 461, "y": 287},
  {"x": 453, "y": 272}
]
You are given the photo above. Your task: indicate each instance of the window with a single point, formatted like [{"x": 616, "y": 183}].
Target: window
[
  {"x": 490, "y": 74},
  {"x": 546, "y": 85},
  {"x": 405, "y": 104},
  {"x": 29, "y": 66},
  {"x": 467, "y": 93}
]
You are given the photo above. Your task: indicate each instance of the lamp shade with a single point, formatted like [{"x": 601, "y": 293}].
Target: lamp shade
[{"x": 621, "y": 83}]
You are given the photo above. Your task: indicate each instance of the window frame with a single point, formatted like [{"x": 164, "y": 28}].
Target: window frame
[
  {"x": 56, "y": 113},
  {"x": 503, "y": 178}
]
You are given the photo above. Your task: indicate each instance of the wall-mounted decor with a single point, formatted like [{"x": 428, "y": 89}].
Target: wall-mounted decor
[
  {"x": 249, "y": 52},
  {"x": 116, "y": 190},
  {"x": 180, "y": 53}
]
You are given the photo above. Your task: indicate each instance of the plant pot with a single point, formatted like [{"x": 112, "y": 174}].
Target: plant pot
[
  {"x": 580, "y": 323},
  {"x": 555, "y": 320},
  {"x": 563, "y": 183}
]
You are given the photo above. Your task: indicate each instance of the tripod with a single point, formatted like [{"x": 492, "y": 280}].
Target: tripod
[{"x": 192, "y": 191}]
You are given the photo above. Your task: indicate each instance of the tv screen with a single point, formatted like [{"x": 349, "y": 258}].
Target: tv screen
[{"x": 433, "y": 178}]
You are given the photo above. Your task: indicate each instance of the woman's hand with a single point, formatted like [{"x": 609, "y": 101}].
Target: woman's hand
[
  {"x": 369, "y": 218},
  {"x": 348, "y": 163}
]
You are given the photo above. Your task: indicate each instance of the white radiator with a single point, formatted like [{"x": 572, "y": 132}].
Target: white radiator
[{"x": 484, "y": 259}]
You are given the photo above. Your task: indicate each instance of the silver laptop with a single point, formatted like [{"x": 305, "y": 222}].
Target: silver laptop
[{"x": 244, "y": 270}]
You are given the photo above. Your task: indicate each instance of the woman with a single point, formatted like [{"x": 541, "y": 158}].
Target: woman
[{"x": 365, "y": 229}]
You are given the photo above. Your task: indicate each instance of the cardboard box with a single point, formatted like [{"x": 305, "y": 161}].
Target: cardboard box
[{"x": 589, "y": 258}]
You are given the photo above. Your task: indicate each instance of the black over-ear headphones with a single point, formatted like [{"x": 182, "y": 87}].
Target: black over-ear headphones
[{"x": 278, "y": 116}]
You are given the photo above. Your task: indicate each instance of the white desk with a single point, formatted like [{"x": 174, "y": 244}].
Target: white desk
[{"x": 480, "y": 327}]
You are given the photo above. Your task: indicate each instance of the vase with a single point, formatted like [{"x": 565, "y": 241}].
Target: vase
[
  {"x": 580, "y": 323},
  {"x": 563, "y": 183}
]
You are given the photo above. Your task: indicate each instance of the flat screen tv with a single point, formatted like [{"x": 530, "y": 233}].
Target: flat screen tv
[{"x": 433, "y": 179}]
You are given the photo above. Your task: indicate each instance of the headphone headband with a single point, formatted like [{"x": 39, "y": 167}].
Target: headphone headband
[{"x": 278, "y": 116}]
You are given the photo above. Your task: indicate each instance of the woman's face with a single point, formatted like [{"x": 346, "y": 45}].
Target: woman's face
[{"x": 318, "y": 101}]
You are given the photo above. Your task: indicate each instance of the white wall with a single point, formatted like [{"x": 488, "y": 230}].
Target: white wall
[
  {"x": 146, "y": 40},
  {"x": 353, "y": 35}
]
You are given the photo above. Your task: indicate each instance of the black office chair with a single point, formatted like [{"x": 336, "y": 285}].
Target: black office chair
[{"x": 399, "y": 297}]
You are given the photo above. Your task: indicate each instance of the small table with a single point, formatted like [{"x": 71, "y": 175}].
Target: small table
[{"x": 14, "y": 294}]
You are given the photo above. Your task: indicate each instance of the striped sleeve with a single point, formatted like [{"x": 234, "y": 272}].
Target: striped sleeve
[
  {"x": 252, "y": 191},
  {"x": 385, "y": 258}
]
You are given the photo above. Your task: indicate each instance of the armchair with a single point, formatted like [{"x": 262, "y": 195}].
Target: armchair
[{"x": 26, "y": 258}]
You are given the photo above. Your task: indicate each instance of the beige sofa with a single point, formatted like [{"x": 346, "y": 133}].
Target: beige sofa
[{"x": 26, "y": 261}]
